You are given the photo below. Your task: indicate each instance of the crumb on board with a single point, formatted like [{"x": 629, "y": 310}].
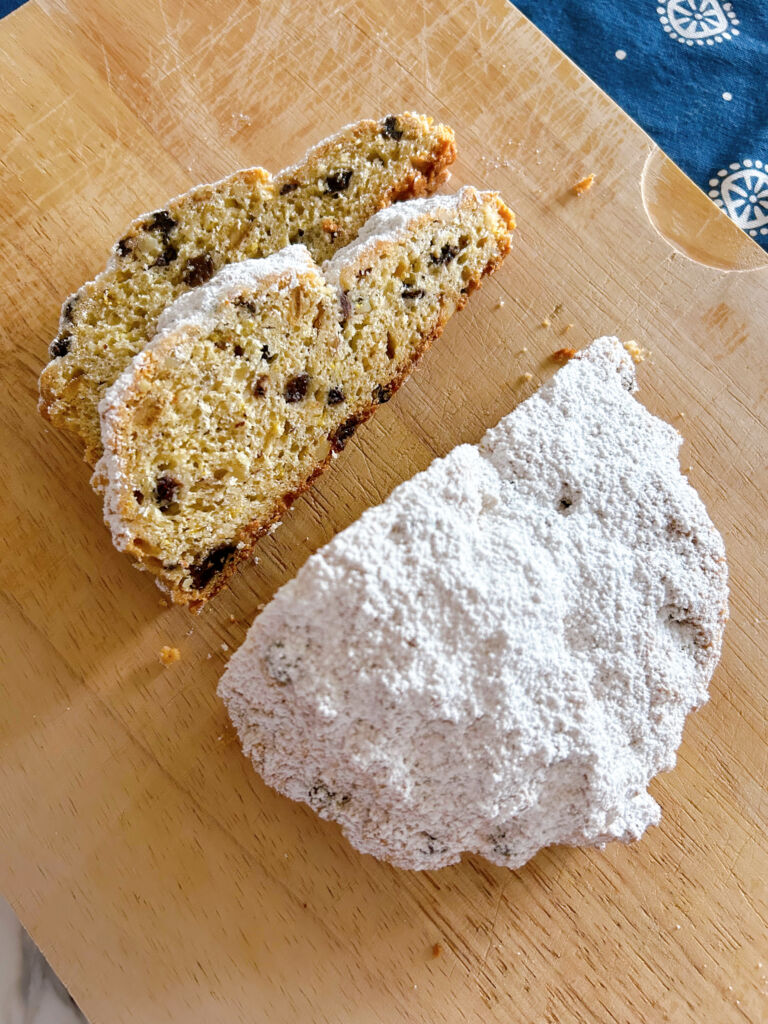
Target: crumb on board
[
  {"x": 169, "y": 655},
  {"x": 437, "y": 949},
  {"x": 563, "y": 355},
  {"x": 568, "y": 327},
  {"x": 232, "y": 618},
  {"x": 500, "y": 304},
  {"x": 583, "y": 186},
  {"x": 163, "y": 603},
  {"x": 545, "y": 322},
  {"x": 638, "y": 354},
  {"x": 526, "y": 377}
]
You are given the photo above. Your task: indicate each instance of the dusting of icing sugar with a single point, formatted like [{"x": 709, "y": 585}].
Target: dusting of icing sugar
[
  {"x": 502, "y": 654},
  {"x": 199, "y": 306},
  {"x": 398, "y": 221}
]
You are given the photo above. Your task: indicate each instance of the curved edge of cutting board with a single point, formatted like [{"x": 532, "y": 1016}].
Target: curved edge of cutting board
[{"x": 691, "y": 223}]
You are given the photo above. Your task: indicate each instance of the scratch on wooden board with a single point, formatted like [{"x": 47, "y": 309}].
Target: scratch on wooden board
[
  {"x": 424, "y": 48},
  {"x": 116, "y": 136},
  {"x": 172, "y": 39},
  {"x": 493, "y": 924},
  {"x": 107, "y": 69},
  {"x": 379, "y": 43},
  {"x": 42, "y": 119}
]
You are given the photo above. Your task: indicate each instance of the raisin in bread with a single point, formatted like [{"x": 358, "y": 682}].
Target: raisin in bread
[
  {"x": 501, "y": 655},
  {"x": 256, "y": 378},
  {"x": 321, "y": 202}
]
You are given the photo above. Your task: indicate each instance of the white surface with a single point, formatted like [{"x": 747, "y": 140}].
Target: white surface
[
  {"x": 502, "y": 655},
  {"x": 30, "y": 993}
]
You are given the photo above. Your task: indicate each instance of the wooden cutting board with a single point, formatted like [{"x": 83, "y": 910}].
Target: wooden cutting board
[{"x": 161, "y": 877}]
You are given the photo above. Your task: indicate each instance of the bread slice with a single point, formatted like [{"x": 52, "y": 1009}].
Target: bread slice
[
  {"x": 501, "y": 655},
  {"x": 321, "y": 202},
  {"x": 257, "y": 377}
]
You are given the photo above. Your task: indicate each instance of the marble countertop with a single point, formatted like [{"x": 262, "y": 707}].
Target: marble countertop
[{"x": 30, "y": 993}]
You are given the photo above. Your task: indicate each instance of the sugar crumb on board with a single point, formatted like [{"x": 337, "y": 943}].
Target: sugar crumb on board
[
  {"x": 169, "y": 655},
  {"x": 584, "y": 185},
  {"x": 562, "y": 355},
  {"x": 636, "y": 351},
  {"x": 526, "y": 377}
]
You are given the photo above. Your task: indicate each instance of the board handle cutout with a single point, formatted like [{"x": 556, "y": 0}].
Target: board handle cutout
[{"x": 691, "y": 223}]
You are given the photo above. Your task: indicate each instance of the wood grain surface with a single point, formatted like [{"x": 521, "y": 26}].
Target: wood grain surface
[{"x": 161, "y": 877}]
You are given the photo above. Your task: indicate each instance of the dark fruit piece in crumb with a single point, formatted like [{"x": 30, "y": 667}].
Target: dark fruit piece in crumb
[
  {"x": 390, "y": 130},
  {"x": 203, "y": 572},
  {"x": 139, "y": 496},
  {"x": 123, "y": 246},
  {"x": 296, "y": 387},
  {"x": 289, "y": 186},
  {"x": 162, "y": 221},
  {"x": 166, "y": 489},
  {"x": 447, "y": 253},
  {"x": 266, "y": 355},
  {"x": 335, "y": 396},
  {"x": 338, "y": 181},
  {"x": 198, "y": 270},
  {"x": 60, "y": 346},
  {"x": 69, "y": 306},
  {"x": 168, "y": 255},
  {"x": 412, "y": 293},
  {"x": 245, "y": 304},
  {"x": 260, "y": 386},
  {"x": 238, "y": 350},
  {"x": 346, "y": 308},
  {"x": 342, "y": 434},
  {"x": 382, "y": 394}
]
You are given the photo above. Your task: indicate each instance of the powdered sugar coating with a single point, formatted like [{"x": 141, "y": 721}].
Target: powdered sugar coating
[
  {"x": 502, "y": 654},
  {"x": 398, "y": 221},
  {"x": 199, "y": 306}
]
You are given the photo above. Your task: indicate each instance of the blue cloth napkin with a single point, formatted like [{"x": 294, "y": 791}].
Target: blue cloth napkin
[{"x": 693, "y": 74}]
